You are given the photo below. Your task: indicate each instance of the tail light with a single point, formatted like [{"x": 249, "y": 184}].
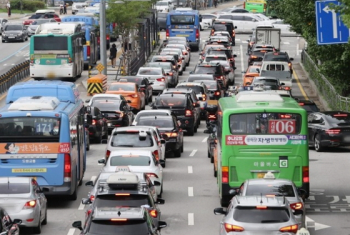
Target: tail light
[
  {"x": 233, "y": 228},
  {"x": 92, "y": 198},
  {"x": 88, "y": 212},
  {"x": 220, "y": 77},
  {"x": 70, "y": 60},
  {"x": 93, "y": 122},
  {"x": 253, "y": 57},
  {"x": 197, "y": 33},
  {"x": 30, "y": 204},
  {"x": 217, "y": 93},
  {"x": 67, "y": 168},
  {"x": 167, "y": 33},
  {"x": 134, "y": 96},
  {"x": 204, "y": 96},
  {"x": 212, "y": 116},
  {"x": 156, "y": 154},
  {"x": 108, "y": 153},
  {"x": 224, "y": 174},
  {"x": 306, "y": 174},
  {"x": 233, "y": 33},
  {"x": 296, "y": 206},
  {"x": 98, "y": 40},
  {"x": 119, "y": 220},
  {"x": 122, "y": 194},
  {"x": 188, "y": 113},
  {"x": 88, "y": 50},
  {"x": 290, "y": 229},
  {"x": 171, "y": 134},
  {"x": 152, "y": 175},
  {"x": 161, "y": 79},
  {"x": 154, "y": 213},
  {"x": 332, "y": 131}
]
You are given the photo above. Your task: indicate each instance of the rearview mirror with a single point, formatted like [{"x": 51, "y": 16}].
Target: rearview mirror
[
  {"x": 161, "y": 162},
  {"x": 85, "y": 201},
  {"x": 156, "y": 183},
  {"x": 220, "y": 211},
  {"x": 77, "y": 224},
  {"x": 102, "y": 161},
  {"x": 89, "y": 183}
]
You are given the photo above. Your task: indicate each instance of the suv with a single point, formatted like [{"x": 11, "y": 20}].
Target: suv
[
  {"x": 98, "y": 128},
  {"x": 120, "y": 220},
  {"x": 267, "y": 214},
  {"x": 230, "y": 27},
  {"x": 211, "y": 68},
  {"x": 279, "y": 56},
  {"x": 183, "y": 108},
  {"x": 14, "y": 31}
]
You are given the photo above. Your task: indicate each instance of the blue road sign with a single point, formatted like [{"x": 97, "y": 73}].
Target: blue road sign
[{"x": 330, "y": 27}]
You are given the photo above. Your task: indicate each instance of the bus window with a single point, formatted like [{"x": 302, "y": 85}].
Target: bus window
[{"x": 182, "y": 19}]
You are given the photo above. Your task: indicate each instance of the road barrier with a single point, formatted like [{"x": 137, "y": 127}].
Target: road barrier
[
  {"x": 16, "y": 74},
  {"x": 325, "y": 88},
  {"x": 97, "y": 84}
]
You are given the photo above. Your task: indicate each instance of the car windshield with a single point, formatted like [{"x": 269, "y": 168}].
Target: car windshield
[
  {"x": 129, "y": 227},
  {"x": 121, "y": 87},
  {"x": 13, "y": 27},
  {"x": 150, "y": 72},
  {"x": 258, "y": 216},
  {"x": 170, "y": 102},
  {"x": 162, "y": 4},
  {"x": 270, "y": 188},
  {"x": 159, "y": 123},
  {"x": 130, "y": 160},
  {"x": 131, "y": 139},
  {"x": 113, "y": 200},
  {"x": 196, "y": 89},
  {"x": 211, "y": 84},
  {"x": 338, "y": 118},
  {"x": 14, "y": 188},
  {"x": 106, "y": 104},
  {"x": 253, "y": 70}
]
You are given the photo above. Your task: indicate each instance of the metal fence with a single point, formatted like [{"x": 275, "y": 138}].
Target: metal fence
[
  {"x": 16, "y": 74},
  {"x": 325, "y": 88}
]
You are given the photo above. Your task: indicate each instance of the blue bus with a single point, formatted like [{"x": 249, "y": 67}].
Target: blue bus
[
  {"x": 91, "y": 53},
  {"x": 42, "y": 135},
  {"x": 184, "y": 22}
]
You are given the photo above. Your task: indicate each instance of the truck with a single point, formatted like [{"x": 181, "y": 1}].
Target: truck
[
  {"x": 268, "y": 35},
  {"x": 277, "y": 69}
]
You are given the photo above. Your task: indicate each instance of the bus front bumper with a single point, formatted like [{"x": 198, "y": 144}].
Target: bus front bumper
[{"x": 51, "y": 71}]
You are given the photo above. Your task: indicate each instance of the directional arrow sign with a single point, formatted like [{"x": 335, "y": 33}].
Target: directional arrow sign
[
  {"x": 310, "y": 223},
  {"x": 334, "y": 20}
]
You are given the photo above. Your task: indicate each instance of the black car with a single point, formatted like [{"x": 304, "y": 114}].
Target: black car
[
  {"x": 117, "y": 112},
  {"x": 183, "y": 108},
  {"x": 14, "y": 32},
  {"x": 166, "y": 125},
  {"x": 144, "y": 84},
  {"x": 161, "y": 20},
  {"x": 257, "y": 53},
  {"x": 120, "y": 220},
  {"x": 279, "y": 56},
  {"x": 96, "y": 124},
  {"x": 329, "y": 129},
  {"x": 308, "y": 105},
  {"x": 230, "y": 27},
  {"x": 211, "y": 68},
  {"x": 7, "y": 225}
]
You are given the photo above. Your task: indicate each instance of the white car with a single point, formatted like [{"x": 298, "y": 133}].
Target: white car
[
  {"x": 151, "y": 112},
  {"x": 103, "y": 97},
  {"x": 137, "y": 161},
  {"x": 185, "y": 53},
  {"x": 137, "y": 138},
  {"x": 155, "y": 75},
  {"x": 184, "y": 60},
  {"x": 77, "y": 6},
  {"x": 209, "y": 18},
  {"x": 164, "y": 6},
  {"x": 285, "y": 28},
  {"x": 204, "y": 25}
]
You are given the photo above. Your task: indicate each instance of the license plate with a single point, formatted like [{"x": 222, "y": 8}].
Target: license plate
[
  {"x": 260, "y": 175},
  {"x": 29, "y": 170},
  {"x": 109, "y": 124},
  {"x": 182, "y": 35},
  {"x": 11, "y": 37},
  {"x": 253, "y": 10}
]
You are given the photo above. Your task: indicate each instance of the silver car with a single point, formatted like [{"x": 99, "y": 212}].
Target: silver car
[
  {"x": 269, "y": 185},
  {"x": 172, "y": 75},
  {"x": 258, "y": 215},
  {"x": 23, "y": 199},
  {"x": 155, "y": 75}
]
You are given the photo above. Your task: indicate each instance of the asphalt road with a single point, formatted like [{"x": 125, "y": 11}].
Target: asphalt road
[
  {"x": 13, "y": 53},
  {"x": 190, "y": 190}
]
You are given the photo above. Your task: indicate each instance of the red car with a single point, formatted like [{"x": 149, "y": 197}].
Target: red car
[{"x": 34, "y": 17}]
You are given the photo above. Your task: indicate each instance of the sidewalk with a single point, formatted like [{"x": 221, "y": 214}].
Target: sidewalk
[{"x": 14, "y": 16}]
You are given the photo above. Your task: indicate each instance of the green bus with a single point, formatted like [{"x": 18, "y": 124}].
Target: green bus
[
  {"x": 260, "y": 132},
  {"x": 255, "y": 6},
  {"x": 56, "y": 51}
]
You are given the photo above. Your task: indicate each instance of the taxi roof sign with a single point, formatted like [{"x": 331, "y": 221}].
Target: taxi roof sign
[
  {"x": 269, "y": 175},
  {"x": 122, "y": 177}
]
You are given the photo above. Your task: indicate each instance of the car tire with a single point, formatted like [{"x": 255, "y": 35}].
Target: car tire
[
  {"x": 27, "y": 38},
  {"x": 24, "y": 39},
  {"x": 177, "y": 152},
  {"x": 190, "y": 131},
  {"x": 74, "y": 196},
  {"x": 317, "y": 144},
  {"x": 45, "y": 219},
  {"x": 164, "y": 165},
  {"x": 161, "y": 191},
  {"x": 3, "y": 41},
  {"x": 225, "y": 201},
  {"x": 37, "y": 229},
  {"x": 195, "y": 129},
  {"x": 209, "y": 156},
  {"x": 182, "y": 147}
]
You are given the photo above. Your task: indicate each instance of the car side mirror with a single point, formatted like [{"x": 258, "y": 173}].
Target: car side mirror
[
  {"x": 162, "y": 141},
  {"x": 233, "y": 192},
  {"x": 77, "y": 224},
  {"x": 87, "y": 101},
  {"x": 235, "y": 27},
  {"x": 179, "y": 66},
  {"x": 17, "y": 221},
  {"x": 156, "y": 183},
  {"x": 162, "y": 224},
  {"x": 102, "y": 161},
  {"x": 234, "y": 55},
  {"x": 220, "y": 211},
  {"x": 161, "y": 162},
  {"x": 282, "y": 84},
  {"x": 85, "y": 201},
  {"x": 200, "y": 98},
  {"x": 160, "y": 201},
  {"x": 298, "y": 212},
  {"x": 89, "y": 183}
]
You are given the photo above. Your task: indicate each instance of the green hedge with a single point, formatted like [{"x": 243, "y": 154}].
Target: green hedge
[{"x": 28, "y": 5}]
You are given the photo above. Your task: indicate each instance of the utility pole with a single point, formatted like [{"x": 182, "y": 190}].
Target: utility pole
[{"x": 103, "y": 36}]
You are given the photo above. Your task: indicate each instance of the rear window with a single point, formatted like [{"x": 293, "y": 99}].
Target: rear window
[
  {"x": 36, "y": 16},
  {"x": 106, "y": 105},
  {"x": 147, "y": 114},
  {"x": 312, "y": 108},
  {"x": 150, "y": 72},
  {"x": 272, "y": 57},
  {"x": 159, "y": 123},
  {"x": 211, "y": 85},
  {"x": 130, "y": 160},
  {"x": 113, "y": 201},
  {"x": 166, "y": 65},
  {"x": 121, "y": 87},
  {"x": 182, "y": 19},
  {"x": 194, "y": 78},
  {"x": 53, "y": 44},
  {"x": 196, "y": 89},
  {"x": 171, "y": 102},
  {"x": 270, "y": 189},
  {"x": 265, "y": 123},
  {"x": 253, "y": 215},
  {"x": 13, "y": 27},
  {"x": 205, "y": 70},
  {"x": 130, "y": 227},
  {"x": 14, "y": 188},
  {"x": 135, "y": 80},
  {"x": 339, "y": 118},
  {"x": 211, "y": 58},
  {"x": 130, "y": 139}
]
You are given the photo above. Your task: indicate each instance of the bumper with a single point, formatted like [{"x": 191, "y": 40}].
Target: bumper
[
  {"x": 25, "y": 215},
  {"x": 186, "y": 122},
  {"x": 14, "y": 38},
  {"x": 171, "y": 145},
  {"x": 52, "y": 71},
  {"x": 158, "y": 86}
]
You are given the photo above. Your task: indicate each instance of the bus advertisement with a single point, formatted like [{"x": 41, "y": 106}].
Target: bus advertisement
[
  {"x": 255, "y": 6},
  {"x": 260, "y": 133},
  {"x": 56, "y": 51},
  {"x": 90, "y": 47},
  {"x": 43, "y": 136},
  {"x": 184, "y": 23}
]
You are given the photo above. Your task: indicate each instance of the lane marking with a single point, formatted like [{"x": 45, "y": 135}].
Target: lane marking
[
  {"x": 81, "y": 206},
  {"x": 16, "y": 52},
  {"x": 205, "y": 139},
  {"x": 71, "y": 231},
  {"x": 190, "y": 219},
  {"x": 193, "y": 152},
  {"x": 286, "y": 43},
  {"x": 190, "y": 191},
  {"x": 312, "y": 198},
  {"x": 5, "y": 64},
  {"x": 299, "y": 85},
  {"x": 93, "y": 178},
  {"x": 190, "y": 170},
  {"x": 242, "y": 63}
]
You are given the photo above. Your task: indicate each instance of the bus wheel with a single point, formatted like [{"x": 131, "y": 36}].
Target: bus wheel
[{"x": 317, "y": 144}]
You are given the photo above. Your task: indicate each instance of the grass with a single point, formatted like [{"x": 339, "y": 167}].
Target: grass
[{"x": 15, "y": 11}]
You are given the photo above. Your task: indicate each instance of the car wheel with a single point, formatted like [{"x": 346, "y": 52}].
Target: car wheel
[
  {"x": 37, "y": 229},
  {"x": 45, "y": 219},
  {"x": 74, "y": 196},
  {"x": 27, "y": 38},
  {"x": 211, "y": 159},
  {"x": 195, "y": 129},
  {"x": 190, "y": 131},
  {"x": 3, "y": 41},
  {"x": 88, "y": 144},
  {"x": 317, "y": 144},
  {"x": 164, "y": 164},
  {"x": 182, "y": 147},
  {"x": 209, "y": 154},
  {"x": 177, "y": 152},
  {"x": 24, "y": 39},
  {"x": 161, "y": 191}
]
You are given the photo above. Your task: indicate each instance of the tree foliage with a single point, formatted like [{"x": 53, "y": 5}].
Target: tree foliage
[{"x": 334, "y": 59}]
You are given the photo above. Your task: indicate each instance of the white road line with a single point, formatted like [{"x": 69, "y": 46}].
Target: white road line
[
  {"x": 190, "y": 219},
  {"x": 190, "y": 191},
  {"x": 238, "y": 39},
  {"x": 286, "y": 43},
  {"x": 312, "y": 198},
  {"x": 193, "y": 152},
  {"x": 245, "y": 42},
  {"x": 93, "y": 178},
  {"x": 12, "y": 64},
  {"x": 205, "y": 139},
  {"x": 71, "y": 231},
  {"x": 81, "y": 206},
  {"x": 242, "y": 62},
  {"x": 298, "y": 41},
  {"x": 190, "y": 169}
]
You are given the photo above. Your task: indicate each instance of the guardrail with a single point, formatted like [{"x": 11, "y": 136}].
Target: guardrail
[
  {"x": 14, "y": 75},
  {"x": 325, "y": 88}
]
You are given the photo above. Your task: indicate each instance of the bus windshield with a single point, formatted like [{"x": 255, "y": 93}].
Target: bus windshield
[
  {"x": 51, "y": 44},
  {"x": 182, "y": 19}
]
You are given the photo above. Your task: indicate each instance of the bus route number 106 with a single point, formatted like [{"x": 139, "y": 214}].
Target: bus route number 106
[{"x": 282, "y": 126}]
